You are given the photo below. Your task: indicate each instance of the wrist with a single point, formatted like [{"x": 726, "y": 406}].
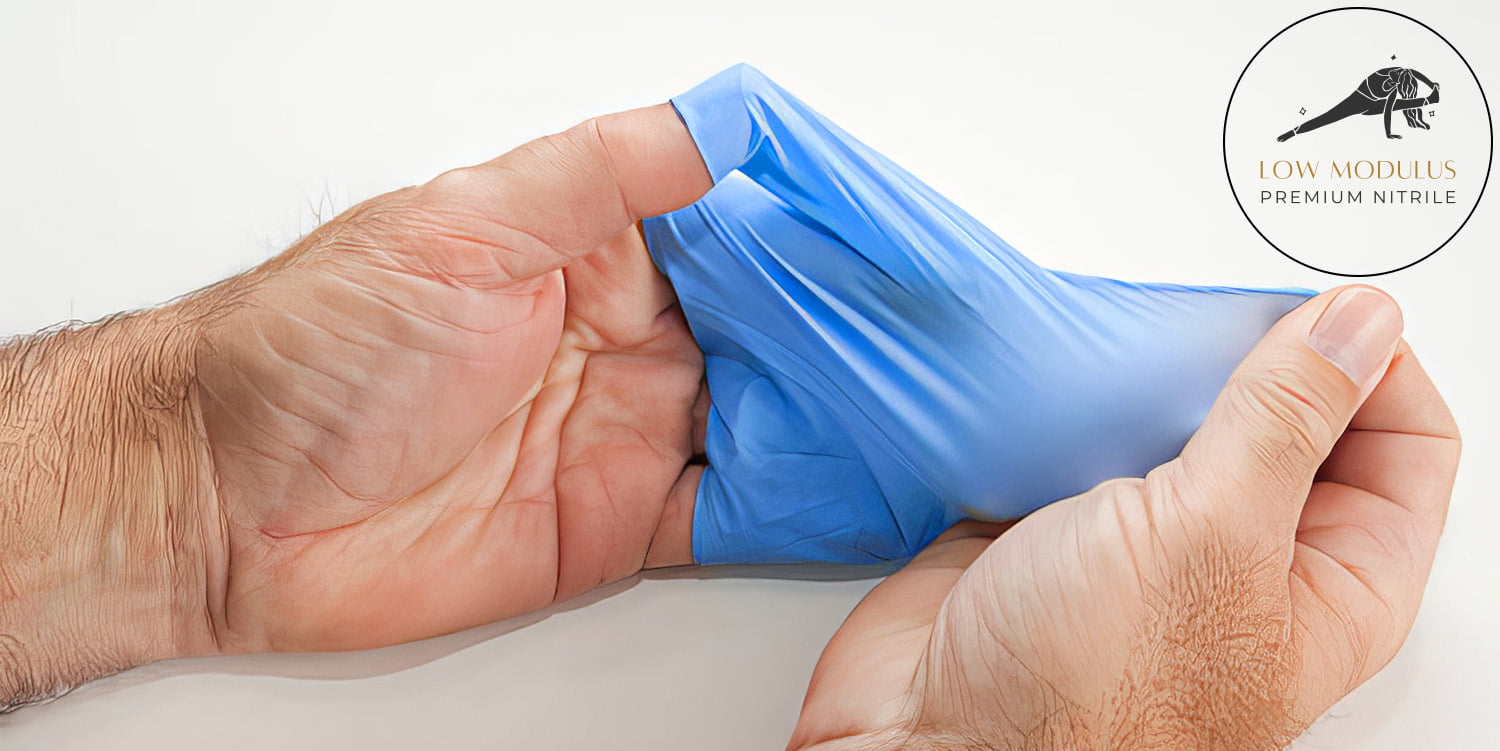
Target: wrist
[
  {"x": 1180, "y": 683},
  {"x": 106, "y": 490}
]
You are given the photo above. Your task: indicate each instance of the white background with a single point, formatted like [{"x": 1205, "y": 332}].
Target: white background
[{"x": 150, "y": 148}]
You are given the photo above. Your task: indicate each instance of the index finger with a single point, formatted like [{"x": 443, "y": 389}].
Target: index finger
[{"x": 1402, "y": 445}]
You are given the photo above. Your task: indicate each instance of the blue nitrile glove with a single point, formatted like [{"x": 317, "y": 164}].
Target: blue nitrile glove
[{"x": 881, "y": 365}]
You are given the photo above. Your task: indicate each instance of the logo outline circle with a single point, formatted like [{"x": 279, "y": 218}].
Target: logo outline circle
[{"x": 1488, "y": 167}]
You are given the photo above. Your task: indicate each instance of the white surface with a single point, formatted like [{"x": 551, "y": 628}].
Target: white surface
[{"x": 150, "y": 150}]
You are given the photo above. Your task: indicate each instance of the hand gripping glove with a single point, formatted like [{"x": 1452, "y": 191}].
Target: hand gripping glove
[{"x": 881, "y": 365}]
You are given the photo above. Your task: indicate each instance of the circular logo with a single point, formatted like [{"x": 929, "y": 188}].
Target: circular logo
[{"x": 1358, "y": 141}]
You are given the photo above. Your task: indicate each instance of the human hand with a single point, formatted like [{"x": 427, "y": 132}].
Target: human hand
[
  {"x": 456, "y": 402},
  {"x": 453, "y": 403},
  {"x": 1226, "y": 600}
]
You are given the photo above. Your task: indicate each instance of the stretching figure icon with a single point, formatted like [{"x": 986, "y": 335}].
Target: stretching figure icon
[{"x": 1385, "y": 91}]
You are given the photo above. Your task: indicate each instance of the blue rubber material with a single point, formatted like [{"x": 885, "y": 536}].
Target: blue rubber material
[{"x": 881, "y": 365}]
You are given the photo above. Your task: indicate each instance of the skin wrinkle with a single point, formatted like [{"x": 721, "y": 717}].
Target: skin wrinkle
[
  {"x": 1256, "y": 396},
  {"x": 413, "y": 343},
  {"x": 644, "y": 561},
  {"x": 326, "y": 425},
  {"x": 592, "y": 127},
  {"x": 530, "y": 291},
  {"x": 1346, "y": 568},
  {"x": 574, "y": 379},
  {"x": 305, "y": 330},
  {"x": 1048, "y": 695},
  {"x": 591, "y": 339},
  {"x": 104, "y": 390},
  {"x": 313, "y": 461},
  {"x": 196, "y": 573},
  {"x": 280, "y": 409},
  {"x": 1118, "y": 505},
  {"x": 482, "y": 287},
  {"x": 1366, "y": 492},
  {"x": 346, "y": 388},
  {"x": 323, "y": 426},
  {"x": 1347, "y": 628},
  {"x": 509, "y": 275},
  {"x": 1359, "y": 529}
]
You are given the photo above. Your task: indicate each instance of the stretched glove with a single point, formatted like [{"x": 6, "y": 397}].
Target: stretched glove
[{"x": 881, "y": 365}]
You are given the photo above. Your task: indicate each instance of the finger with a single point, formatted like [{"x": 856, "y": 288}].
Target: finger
[
  {"x": 868, "y": 666},
  {"x": 1285, "y": 406},
  {"x": 1370, "y": 529},
  {"x": 547, "y": 202},
  {"x": 1402, "y": 445},
  {"x": 1380, "y": 500},
  {"x": 671, "y": 543}
]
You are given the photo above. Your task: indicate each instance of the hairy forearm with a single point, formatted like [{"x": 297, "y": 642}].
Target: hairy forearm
[{"x": 105, "y": 502}]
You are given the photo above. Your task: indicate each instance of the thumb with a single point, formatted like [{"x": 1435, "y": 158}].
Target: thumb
[
  {"x": 543, "y": 204},
  {"x": 1286, "y": 405}
]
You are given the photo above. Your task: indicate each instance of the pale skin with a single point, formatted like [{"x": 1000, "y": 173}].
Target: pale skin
[
  {"x": 469, "y": 399},
  {"x": 1224, "y": 601}
]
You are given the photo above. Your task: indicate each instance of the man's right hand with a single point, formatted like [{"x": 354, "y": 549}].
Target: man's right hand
[{"x": 1224, "y": 601}]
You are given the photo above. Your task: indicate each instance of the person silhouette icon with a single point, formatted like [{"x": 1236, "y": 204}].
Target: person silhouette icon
[{"x": 1385, "y": 91}]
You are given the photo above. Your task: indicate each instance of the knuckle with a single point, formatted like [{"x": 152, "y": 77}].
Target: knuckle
[
  {"x": 1291, "y": 423},
  {"x": 581, "y": 145},
  {"x": 1116, "y": 487},
  {"x": 456, "y": 180}
]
